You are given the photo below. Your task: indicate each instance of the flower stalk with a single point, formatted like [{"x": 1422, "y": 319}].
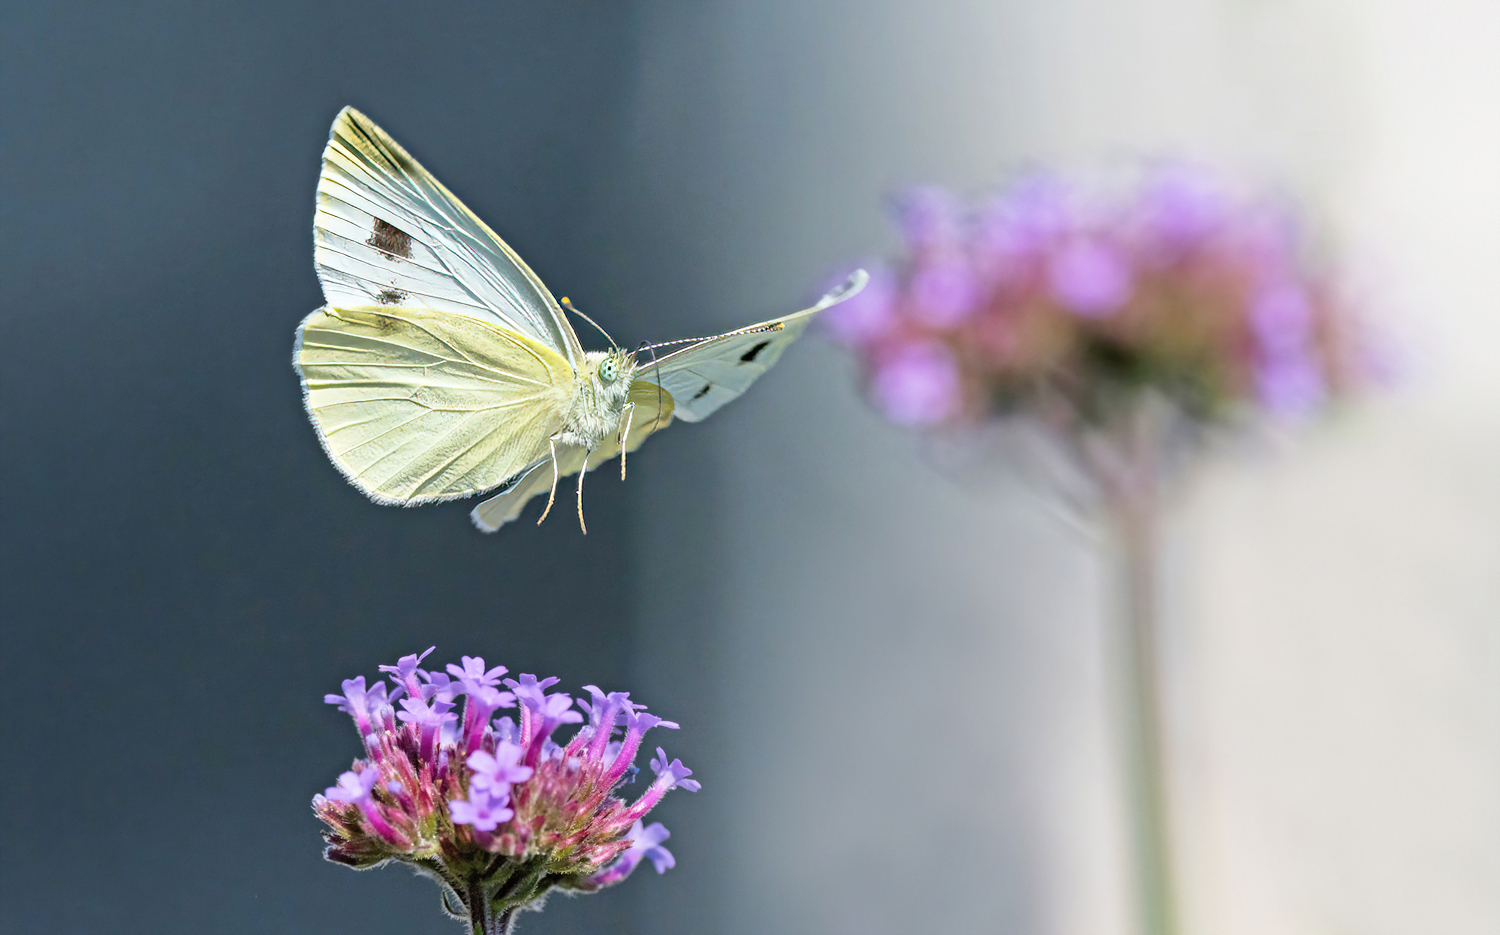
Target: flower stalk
[{"x": 1128, "y": 474}]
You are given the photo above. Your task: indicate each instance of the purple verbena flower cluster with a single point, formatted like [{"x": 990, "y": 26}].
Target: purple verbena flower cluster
[
  {"x": 1068, "y": 299},
  {"x": 497, "y": 811}
]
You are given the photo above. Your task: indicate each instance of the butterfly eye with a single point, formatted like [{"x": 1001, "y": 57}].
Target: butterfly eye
[{"x": 607, "y": 370}]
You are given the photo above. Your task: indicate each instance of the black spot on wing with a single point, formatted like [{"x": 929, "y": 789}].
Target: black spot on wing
[
  {"x": 703, "y": 392},
  {"x": 390, "y": 297},
  {"x": 390, "y": 239},
  {"x": 751, "y": 354}
]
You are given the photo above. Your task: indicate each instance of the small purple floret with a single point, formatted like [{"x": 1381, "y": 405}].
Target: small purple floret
[
  {"x": 405, "y": 670},
  {"x": 362, "y": 704},
  {"x": 429, "y": 717},
  {"x": 473, "y": 672},
  {"x": 498, "y": 770},
  {"x": 1281, "y": 318},
  {"x": 944, "y": 292},
  {"x": 918, "y": 384},
  {"x": 672, "y": 775},
  {"x": 353, "y": 787},
  {"x": 528, "y": 686},
  {"x": 639, "y": 722},
  {"x": 553, "y": 711},
  {"x": 1090, "y": 278},
  {"x": 487, "y": 814},
  {"x": 1182, "y": 204},
  {"x": 645, "y": 843}
]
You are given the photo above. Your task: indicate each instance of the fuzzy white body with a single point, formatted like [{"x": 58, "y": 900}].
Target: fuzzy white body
[{"x": 598, "y": 405}]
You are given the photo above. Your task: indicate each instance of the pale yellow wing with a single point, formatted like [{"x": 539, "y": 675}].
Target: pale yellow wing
[
  {"x": 653, "y": 411},
  {"x": 387, "y": 233},
  {"x": 416, "y": 405}
]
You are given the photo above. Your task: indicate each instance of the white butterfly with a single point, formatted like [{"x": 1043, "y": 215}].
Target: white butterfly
[{"x": 441, "y": 367}]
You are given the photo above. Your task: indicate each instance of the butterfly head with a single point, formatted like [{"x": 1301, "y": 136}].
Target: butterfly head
[
  {"x": 599, "y": 397},
  {"x": 611, "y": 372}
]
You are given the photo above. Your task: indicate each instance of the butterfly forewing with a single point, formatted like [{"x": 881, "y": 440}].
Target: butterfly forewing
[
  {"x": 415, "y": 405},
  {"x": 387, "y": 233}
]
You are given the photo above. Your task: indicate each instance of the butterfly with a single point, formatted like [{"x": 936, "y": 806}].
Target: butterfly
[{"x": 441, "y": 367}]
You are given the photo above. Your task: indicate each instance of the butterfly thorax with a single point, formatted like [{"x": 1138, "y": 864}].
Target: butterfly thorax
[{"x": 599, "y": 398}]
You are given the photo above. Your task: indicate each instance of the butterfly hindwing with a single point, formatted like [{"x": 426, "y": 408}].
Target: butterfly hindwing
[
  {"x": 415, "y": 405},
  {"x": 704, "y": 376},
  {"x": 387, "y": 233}
]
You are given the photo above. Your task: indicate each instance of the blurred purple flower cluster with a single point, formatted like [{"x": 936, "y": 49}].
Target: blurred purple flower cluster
[
  {"x": 1070, "y": 299},
  {"x": 497, "y": 811}
]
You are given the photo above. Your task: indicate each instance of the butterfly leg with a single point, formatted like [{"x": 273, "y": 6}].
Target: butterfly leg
[
  {"x": 581, "y": 472},
  {"x": 625, "y": 436},
  {"x": 552, "y": 494}
]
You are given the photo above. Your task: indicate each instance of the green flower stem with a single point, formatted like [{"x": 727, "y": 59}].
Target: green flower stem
[
  {"x": 494, "y": 897},
  {"x": 486, "y": 919},
  {"x": 1134, "y": 524},
  {"x": 1129, "y": 477}
]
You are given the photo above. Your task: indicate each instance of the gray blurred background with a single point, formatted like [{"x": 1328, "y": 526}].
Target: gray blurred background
[{"x": 891, "y": 672}]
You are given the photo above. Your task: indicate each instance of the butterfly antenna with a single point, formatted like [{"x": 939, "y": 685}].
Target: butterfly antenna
[
  {"x": 567, "y": 304},
  {"x": 753, "y": 329},
  {"x": 647, "y": 347}
]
